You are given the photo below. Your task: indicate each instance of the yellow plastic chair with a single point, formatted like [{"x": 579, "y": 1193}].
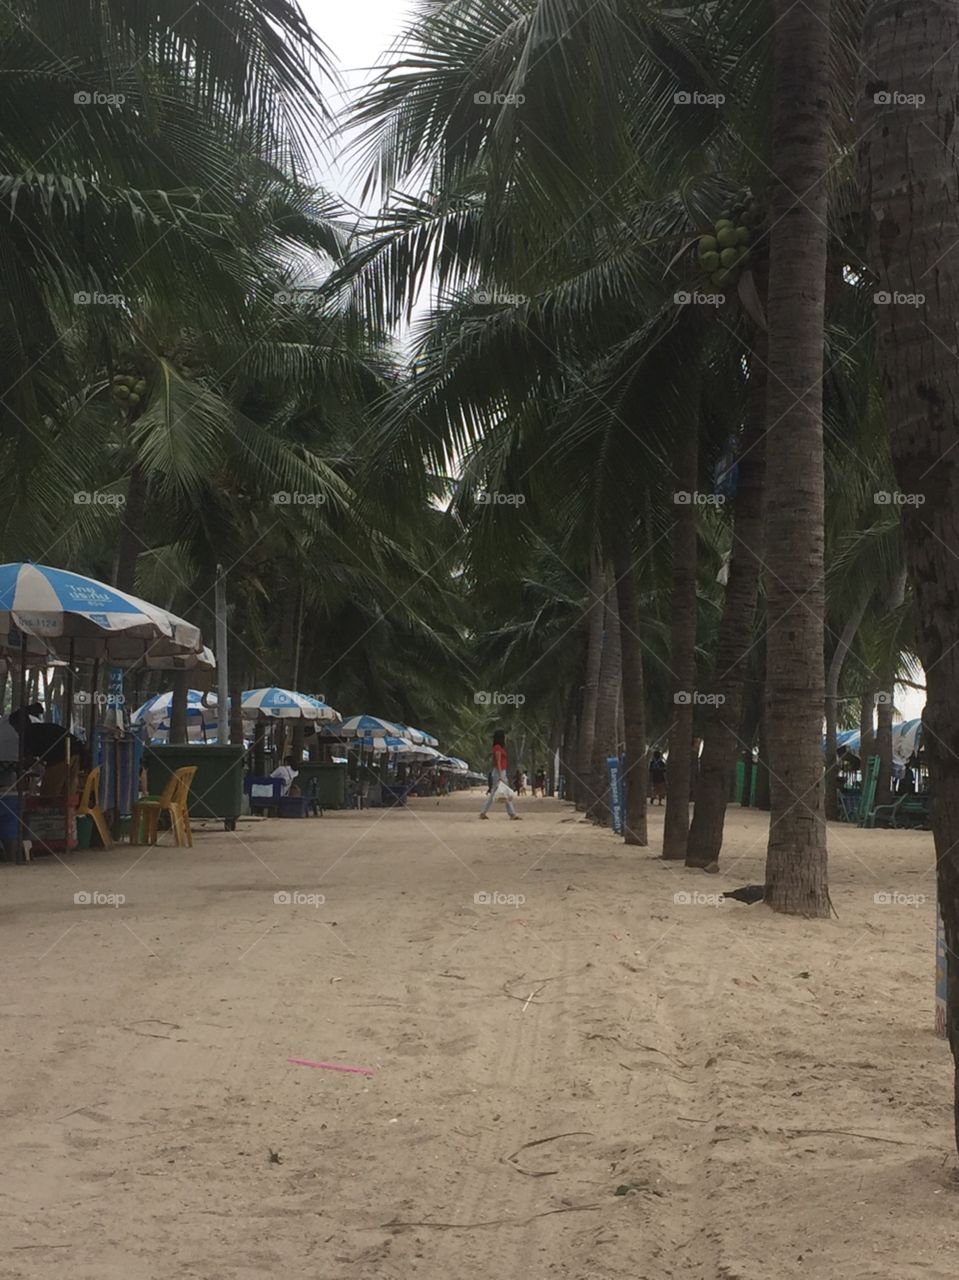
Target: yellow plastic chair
[
  {"x": 89, "y": 807},
  {"x": 174, "y": 799}
]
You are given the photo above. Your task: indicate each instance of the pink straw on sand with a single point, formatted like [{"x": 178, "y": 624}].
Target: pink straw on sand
[{"x": 331, "y": 1066}]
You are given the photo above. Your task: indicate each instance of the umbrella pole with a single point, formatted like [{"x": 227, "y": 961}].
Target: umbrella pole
[
  {"x": 67, "y": 722},
  {"x": 22, "y": 749}
]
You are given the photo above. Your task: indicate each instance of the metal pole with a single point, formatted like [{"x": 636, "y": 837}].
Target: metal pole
[
  {"x": 21, "y": 769},
  {"x": 222, "y": 662}
]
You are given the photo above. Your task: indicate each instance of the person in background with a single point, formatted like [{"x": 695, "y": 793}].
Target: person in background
[
  {"x": 541, "y": 783},
  {"x": 657, "y": 777},
  {"x": 499, "y": 773},
  {"x": 523, "y": 782},
  {"x": 286, "y": 773}
]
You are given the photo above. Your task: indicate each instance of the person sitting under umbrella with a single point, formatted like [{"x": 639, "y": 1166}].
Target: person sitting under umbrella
[{"x": 44, "y": 742}]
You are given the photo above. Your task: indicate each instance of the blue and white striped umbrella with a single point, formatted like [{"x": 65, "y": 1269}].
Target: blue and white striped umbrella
[
  {"x": 369, "y": 727},
  {"x": 64, "y": 609},
  {"x": 156, "y": 711},
  {"x": 285, "y": 704},
  {"x": 390, "y": 744}
]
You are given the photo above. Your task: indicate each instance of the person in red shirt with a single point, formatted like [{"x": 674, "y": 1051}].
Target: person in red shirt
[{"x": 500, "y": 773}]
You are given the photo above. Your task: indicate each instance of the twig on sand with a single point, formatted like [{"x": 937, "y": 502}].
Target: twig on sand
[
  {"x": 495, "y": 1222},
  {"x": 849, "y": 1133},
  {"x": 538, "y": 1142},
  {"x": 639, "y": 1048},
  {"x": 534, "y": 992},
  {"x": 512, "y": 982}
]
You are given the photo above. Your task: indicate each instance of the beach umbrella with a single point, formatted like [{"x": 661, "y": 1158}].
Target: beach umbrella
[
  {"x": 368, "y": 727},
  {"x": 285, "y": 704},
  {"x": 204, "y": 660},
  {"x": 906, "y": 740},
  {"x": 427, "y": 738},
  {"x": 390, "y": 744},
  {"x": 157, "y": 710},
  {"x": 81, "y": 619}
]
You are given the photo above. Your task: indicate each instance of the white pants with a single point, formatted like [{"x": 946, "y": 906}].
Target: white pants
[{"x": 498, "y": 776}]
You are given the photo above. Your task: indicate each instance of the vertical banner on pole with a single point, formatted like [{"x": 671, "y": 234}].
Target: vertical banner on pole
[
  {"x": 942, "y": 976},
  {"x": 615, "y": 793}
]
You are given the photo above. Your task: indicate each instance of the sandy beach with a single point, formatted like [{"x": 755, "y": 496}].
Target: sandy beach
[{"x": 574, "y": 1072}]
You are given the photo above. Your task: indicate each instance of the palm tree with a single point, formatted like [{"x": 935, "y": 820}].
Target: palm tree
[
  {"x": 796, "y": 861},
  {"x": 908, "y": 154}
]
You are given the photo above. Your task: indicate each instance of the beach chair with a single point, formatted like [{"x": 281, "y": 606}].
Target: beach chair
[
  {"x": 174, "y": 800},
  {"x": 89, "y": 807}
]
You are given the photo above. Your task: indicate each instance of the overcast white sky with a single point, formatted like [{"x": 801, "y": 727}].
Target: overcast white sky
[{"x": 357, "y": 32}]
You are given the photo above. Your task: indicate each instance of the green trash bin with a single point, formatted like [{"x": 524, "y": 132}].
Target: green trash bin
[
  {"x": 330, "y": 780},
  {"x": 217, "y": 790}
]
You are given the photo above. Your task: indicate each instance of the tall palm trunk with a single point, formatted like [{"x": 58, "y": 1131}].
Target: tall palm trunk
[
  {"x": 178, "y": 706},
  {"x": 721, "y": 732},
  {"x": 132, "y": 525},
  {"x": 682, "y": 655},
  {"x": 833, "y": 675},
  {"x": 885, "y": 700},
  {"x": 607, "y": 700},
  {"x": 796, "y": 880},
  {"x": 594, "y": 658},
  {"x": 867, "y": 726},
  {"x": 909, "y": 161},
  {"x": 634, "y": 701}
]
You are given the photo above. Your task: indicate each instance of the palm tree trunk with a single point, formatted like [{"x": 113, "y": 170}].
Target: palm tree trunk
[
  {"x": 178, "y": 706},
  {"x": 796, "y": 874},
  {"x": 763, "y": 781},
  {"x": 867, "y": 726},
  {"x": 594, "y": 658},
  {"x": 840, "y": 653},
  {"x": 909, "y": 165},
  {"x": 682, "y": 656},
  {"x": 722, "y": 728},
  {"x": 634, "y": 702},
  {"x": 607, "y": 697},
  {"x": 132, "y": 525}
]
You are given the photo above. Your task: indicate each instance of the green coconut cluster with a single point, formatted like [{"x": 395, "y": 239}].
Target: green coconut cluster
[
  {"x": 128, "y": 389},
  {"x": 725, "y": 253}
]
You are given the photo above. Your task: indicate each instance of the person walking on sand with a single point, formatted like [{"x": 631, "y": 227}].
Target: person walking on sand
[
  {"x": 657, "y": 777},
  {"x": 498, "y": 774}
]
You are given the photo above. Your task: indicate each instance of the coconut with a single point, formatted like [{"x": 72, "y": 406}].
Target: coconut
[
  {"x": 723, "y": 222},
  {"x": 140, "y": 386},
  {"x": 710, "y": 261},
  {"x": 743, "y": 234},
  {"x": 707, "y": 244},
  {"x": 729, "y": 257},
  {"x": 728, "y": 238},
  {"x": 122, "y": 391},
  {"x": 134, "y": 398}
]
